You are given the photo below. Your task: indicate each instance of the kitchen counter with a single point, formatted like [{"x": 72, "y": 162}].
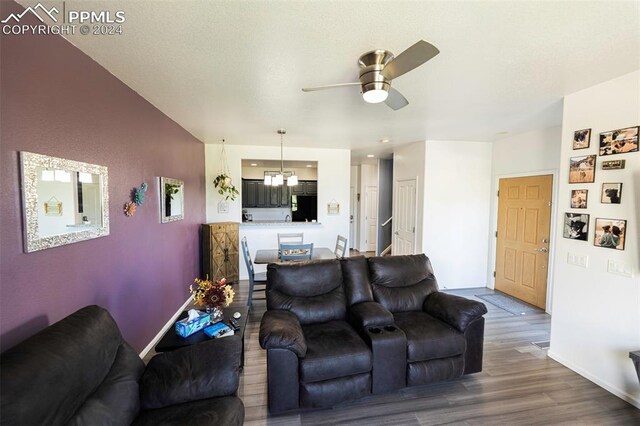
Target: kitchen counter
[{"x": 278, "y": 223}]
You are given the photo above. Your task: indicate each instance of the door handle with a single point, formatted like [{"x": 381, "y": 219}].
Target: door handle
[{"x": 543, "y": 250}]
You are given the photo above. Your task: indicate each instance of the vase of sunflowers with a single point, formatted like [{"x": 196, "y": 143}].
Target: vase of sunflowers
[{"x": 212, "y": 295}]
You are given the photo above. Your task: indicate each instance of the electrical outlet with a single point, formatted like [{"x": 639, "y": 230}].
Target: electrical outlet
[
  {"x": 619, "y": 267},
  {"x": 578, "y": 259}
]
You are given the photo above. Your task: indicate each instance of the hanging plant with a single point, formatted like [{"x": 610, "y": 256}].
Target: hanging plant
[{"x": 223, "y": 182}]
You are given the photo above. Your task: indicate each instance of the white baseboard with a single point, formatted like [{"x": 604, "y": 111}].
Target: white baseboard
[
  {"x": 614, "y": 390},
  {"x": 164, "y": 329}
]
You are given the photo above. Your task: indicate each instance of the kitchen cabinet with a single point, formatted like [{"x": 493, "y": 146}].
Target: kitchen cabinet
[
  {"x": 306, "y": 187},
  {"x": 256, "y": 194},
  {"x": 253, "y": 193},
  {"x": 220, "y": 254}
]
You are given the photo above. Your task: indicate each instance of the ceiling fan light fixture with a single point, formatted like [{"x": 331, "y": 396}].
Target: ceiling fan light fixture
[{"x": 375, "y": 96}]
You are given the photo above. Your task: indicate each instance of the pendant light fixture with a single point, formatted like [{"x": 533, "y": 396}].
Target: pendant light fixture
[{"x": 276, "y": 178}]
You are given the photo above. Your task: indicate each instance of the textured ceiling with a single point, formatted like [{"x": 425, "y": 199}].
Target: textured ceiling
[{"x": 234, "y": 69}]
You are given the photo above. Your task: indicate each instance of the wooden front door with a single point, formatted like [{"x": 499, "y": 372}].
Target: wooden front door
[{"x": 522, "y": 248}]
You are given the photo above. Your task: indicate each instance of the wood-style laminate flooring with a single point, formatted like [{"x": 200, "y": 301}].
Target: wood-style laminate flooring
[{"x": 519, "y": 385}]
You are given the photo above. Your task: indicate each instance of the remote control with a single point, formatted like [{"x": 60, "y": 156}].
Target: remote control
[{"x": 234, "y": 324}]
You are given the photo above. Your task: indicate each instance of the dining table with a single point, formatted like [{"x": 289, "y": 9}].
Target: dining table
[{"x": 271, "y": 255}]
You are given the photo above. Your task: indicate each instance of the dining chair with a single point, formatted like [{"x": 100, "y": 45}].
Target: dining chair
[
  {"x": 290, "y": 252},
  {"x": 260, "y": 278},
  {"x": 290, "y": 238},
  {"x": 341, "y": 246}
]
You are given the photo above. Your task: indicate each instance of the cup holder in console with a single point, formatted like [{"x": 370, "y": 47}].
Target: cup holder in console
[
  {"x": 375, "y": 330},
  {"x": 390, "y": 328}
]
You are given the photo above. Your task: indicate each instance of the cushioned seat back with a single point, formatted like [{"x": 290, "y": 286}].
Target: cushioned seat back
[
  {"x": 401, "y": 283},
  {"x": 313, "y": 291},
  {"x": 46, "y": 378},
  {"x": 355, "y": 273}
]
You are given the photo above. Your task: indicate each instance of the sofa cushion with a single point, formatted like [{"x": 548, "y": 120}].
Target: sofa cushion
[
  {"x": 313, "y": 291},
  {"x": 75, "y": 354},
  {"x": 401, "y": 283},
  {"x": 334, "y": 350},
  {"x": 205, "y": 370},
  {"x": 355, "y": 273},
  {"x": 228, "y": 411},
  {"x": 429, "y": 338},
  {"x": 117, "y": 399}
]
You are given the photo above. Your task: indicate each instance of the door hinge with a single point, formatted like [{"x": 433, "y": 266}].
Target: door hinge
[
  {"x": 498, "y": 193},
  {"x": 549, "y": 203},
  {"x": 494, "y": 274},
  {"x": 496, "y": 234},
  {"x": 414, "y": 230}
]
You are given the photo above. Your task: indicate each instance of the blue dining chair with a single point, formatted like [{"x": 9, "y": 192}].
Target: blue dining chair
[
  {"x": 341, "y": 246},
  {"x": 290, "y": 252},
  {"x": 260, "y": 278}
]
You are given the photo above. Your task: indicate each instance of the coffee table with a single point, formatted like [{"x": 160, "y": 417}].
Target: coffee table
[{"x": 172, "y": 341}]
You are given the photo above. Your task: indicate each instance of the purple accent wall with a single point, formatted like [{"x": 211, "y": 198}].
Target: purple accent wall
[{"x": 57, "y": 101}]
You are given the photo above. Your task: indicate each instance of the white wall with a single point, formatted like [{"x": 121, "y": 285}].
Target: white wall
[
  {"x": 596, "y": 315},
  {"x": 456, "y": 211},
  {"x": 409, "y": 163},
  {"x": 333, "y": 183},
  {"x": 526, "y": 154}
]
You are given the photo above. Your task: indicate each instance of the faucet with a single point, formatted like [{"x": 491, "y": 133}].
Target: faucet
[{"x": 287, "y": 218}]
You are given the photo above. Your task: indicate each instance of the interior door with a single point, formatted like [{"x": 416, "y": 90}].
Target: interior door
[
  {"x": 371, "y": 217},
  {"x": 522, "y": 246},
  {"x": 352, "y": 217},
  {"x": 404, "y": 218}
]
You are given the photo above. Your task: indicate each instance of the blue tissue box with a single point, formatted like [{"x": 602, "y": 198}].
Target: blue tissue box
[{"x": 186, "y": 328}]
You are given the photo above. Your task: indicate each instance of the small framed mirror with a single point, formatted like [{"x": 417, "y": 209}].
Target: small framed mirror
[
  {"x": 64, "y": 201},
  {"x": 171, "y": 200}
]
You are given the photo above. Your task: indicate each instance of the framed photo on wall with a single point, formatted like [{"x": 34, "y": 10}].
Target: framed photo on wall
[
  {"x": 581, "y": 139},
  {"x": 610, "y": 233},
  {"x": 576, "y": 226},
  {"x": 611, "y": 193},
  {"x": 579, "y": 198},
  {"x": 619, "y": 141},
  {"x": 582, "y": 169}
]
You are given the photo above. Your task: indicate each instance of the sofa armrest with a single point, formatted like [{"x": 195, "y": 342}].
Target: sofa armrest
[
  {"x": 204, "y": 370},
  {"x": 454, "y": 310},
  {"x": 282, "y": 330},
  {"x": 369, "y": 314}
]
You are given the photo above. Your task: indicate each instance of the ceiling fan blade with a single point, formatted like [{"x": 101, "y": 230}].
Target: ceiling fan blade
[
  {"x": 395, "y": 100},
  {"x": 330, "y": 86},
  {"x": 411, "y": 58}
]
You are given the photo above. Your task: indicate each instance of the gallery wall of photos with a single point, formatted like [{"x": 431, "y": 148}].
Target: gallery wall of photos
[{"x": 606, "y": 232}]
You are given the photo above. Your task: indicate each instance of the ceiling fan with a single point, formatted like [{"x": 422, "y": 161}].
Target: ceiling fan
[{"x": 379, "y": 67}]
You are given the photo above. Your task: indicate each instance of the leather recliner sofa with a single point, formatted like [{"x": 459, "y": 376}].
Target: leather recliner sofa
[
  {"x": 80, "y": 371},
  {"x": 332, "y": 316}
]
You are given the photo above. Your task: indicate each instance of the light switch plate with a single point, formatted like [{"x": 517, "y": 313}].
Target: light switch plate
[
  {"x": 578, "y": 259},
  {"x": 619, "y": 267}
]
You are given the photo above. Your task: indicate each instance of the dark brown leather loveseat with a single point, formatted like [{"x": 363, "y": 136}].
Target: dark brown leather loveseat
[
  {"x": 342, "y": 329},
  {"x": 80, "y": 371}
]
